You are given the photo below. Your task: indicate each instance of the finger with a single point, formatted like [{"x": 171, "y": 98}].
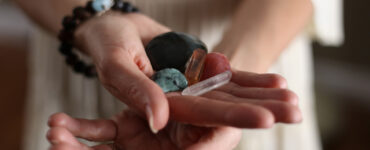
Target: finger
[
  {"x": 123, "y": 68},
  {"x": 93, "y": 130},
  {"x": 229, "y": 137},
  {"x": 66, "y": 147},
  {"x": 61, "y": 136},
  {"x": 258, "y": 80},
  {"x": 282, "y": 111},
  {"x": 125, "y": 75},
  {"x": 209, "y": 112},
  {"x": 259, "y": 93}
]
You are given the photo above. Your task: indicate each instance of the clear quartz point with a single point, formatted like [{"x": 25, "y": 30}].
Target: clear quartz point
[{"x": 208, "y": 84}]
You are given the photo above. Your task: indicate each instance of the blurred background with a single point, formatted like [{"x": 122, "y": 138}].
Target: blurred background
[{"x": 342, "y": 79}]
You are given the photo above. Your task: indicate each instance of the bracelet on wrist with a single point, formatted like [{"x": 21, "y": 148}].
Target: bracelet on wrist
[{"x": 80, "y": 15}]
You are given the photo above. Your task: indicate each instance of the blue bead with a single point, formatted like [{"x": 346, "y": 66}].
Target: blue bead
[{"x": 102, "y": 5}]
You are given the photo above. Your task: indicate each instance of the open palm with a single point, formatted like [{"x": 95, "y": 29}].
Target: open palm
[{"x": 210, "y": 121}]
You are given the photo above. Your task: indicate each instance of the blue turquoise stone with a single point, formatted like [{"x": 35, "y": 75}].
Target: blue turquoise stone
[
  {"x": 170, "y": 80},
  {"x": 101, "y": 5}
]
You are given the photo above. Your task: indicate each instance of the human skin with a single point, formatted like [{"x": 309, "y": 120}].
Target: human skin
[
  {"x": 116, "y": 43},
  {"x": 254, "y": 98}
]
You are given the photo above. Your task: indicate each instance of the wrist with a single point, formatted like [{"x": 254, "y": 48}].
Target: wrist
[{"x": 70, "y": 39}]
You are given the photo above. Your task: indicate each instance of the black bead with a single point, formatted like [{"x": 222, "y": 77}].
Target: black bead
[
  {"x": 65, "y": 48},
  {"x": 89, "y": 8},
  {"x": 127, "y": 7},
  {"x": 81, "y": 13},
  {"x": 69, "y": 23},
  {"x": 135, "y": 10},
  {"x": 72, "y": 59},
  {"x": 90, "y": 71},
  {"x": 118, "y": 5},
  {"x": 66, "y": 36},
  {"x": 79, "y": 67}
]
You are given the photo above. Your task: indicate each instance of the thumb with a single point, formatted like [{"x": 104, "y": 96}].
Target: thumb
[{"x": 125, "y": 74}]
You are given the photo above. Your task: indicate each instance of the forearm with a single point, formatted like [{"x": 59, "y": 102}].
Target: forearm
[
  {"x": 49, "y": 13},
  {"x": 261, "y": 29}
]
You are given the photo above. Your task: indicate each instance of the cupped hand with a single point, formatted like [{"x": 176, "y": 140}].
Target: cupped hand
[
  {"x": 204, "y": 122},
  {"x": 116, "y": 42}
]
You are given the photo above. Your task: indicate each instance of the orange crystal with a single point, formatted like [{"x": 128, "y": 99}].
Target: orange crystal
[{"x": 194, "y": 67}]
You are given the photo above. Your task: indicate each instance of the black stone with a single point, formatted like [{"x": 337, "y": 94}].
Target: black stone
[{"x": 172, "y": 50}]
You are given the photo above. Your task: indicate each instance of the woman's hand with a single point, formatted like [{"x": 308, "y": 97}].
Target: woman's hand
[
  {"x": 249, "y": 101},
  {"x": 115, "y": 41}
]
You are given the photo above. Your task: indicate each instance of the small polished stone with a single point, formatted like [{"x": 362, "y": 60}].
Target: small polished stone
[
  {"x": 194, "y": 66},
  {"x": 102, "y": 5},
  {"x": 172, "y": 50},
  {"x": 214, "y": 64},
  {"x": 170, "y": 80}
]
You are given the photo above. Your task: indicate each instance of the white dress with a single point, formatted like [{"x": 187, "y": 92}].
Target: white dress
[{"x": 55, "y": 88}]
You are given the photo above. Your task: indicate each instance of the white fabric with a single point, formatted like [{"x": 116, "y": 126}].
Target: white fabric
[
  {"x": 328, "y": 19},
  {"x": 54, "y": 87}
]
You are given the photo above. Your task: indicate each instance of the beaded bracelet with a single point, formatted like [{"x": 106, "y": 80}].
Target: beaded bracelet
[{"x": 80, "y": 15}]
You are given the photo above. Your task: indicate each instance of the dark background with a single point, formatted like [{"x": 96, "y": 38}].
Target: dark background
[{"x": 342, "y": 80}]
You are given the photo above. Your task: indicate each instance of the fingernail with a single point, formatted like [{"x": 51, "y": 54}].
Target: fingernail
[{"x": 149, "y": 114}]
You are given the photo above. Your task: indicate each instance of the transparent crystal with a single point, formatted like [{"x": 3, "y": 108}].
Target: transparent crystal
[{"x": 208, "y": 84}]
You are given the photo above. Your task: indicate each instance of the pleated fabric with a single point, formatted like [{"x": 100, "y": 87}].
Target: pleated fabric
[{"x": 54, "y": 87}]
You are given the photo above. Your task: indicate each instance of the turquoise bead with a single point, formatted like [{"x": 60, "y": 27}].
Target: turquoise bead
[
  {"x": 102, "y": 5},
  {"x": 170, "y": 80}
]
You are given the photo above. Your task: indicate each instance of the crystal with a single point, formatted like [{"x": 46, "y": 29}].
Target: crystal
[
  {"x": 208, "y": 84},
  {"x": 170, "y": 80},
  {"x": 172, "y": 50},
  {"x": 195, "y": 65}
]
